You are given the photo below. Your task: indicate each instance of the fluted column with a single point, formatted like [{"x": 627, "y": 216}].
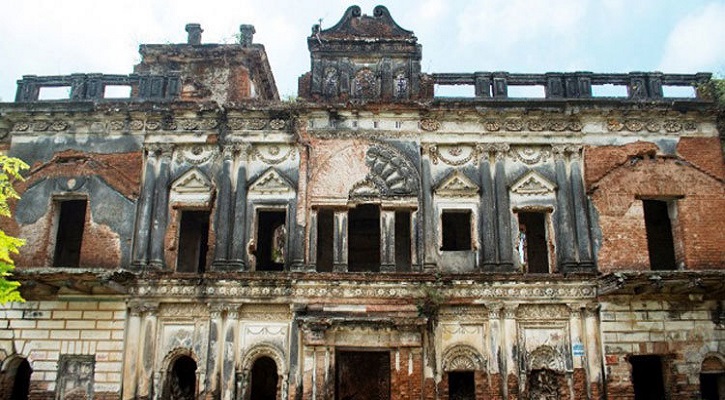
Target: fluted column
[
  {"x": 145, "y": 209},
  {"x": 497, "y": 365},
  {"x": 565, "y": 227},
  {"x": 581, "y": 211},
  {"x": 131, "y": 354},
  {"x": 593, "y": 351},
  {"x": 575, "y": 338},
  {"x": 161, "y": 207},
  {"x": 224, "y": 211},
  {"x": 487, "y": 220},
  {"x": 503, "y": 210}
]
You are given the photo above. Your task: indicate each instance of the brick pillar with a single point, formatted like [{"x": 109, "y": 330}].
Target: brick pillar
[
  {"x": 565, "y": 227},
  {"x": 161, "y": 208},
  {"x": 339, "y": 260},
  {"x": 579, "y": 387},
  {"x": 429, "y": 224},
  {"x": 238, "y": 253},
  {"x": 503, "y": 210},
  {"x": 510, "y": 341},
  {"x": 214, "y": 354},
  {"x": 147, "y": 388},
  {"x": 145, "y": 208},
  {"x": 496, "y": 365},
  {"x": 593, "y": 351},
  {"x": 228, "y": 354},
  {"x": 581, "y": 210},
  {"x": 225, "y": 208},
  {"x": 131, "y": 355},
  {"x": 387, "y": 241},
  {"x": 487, "y": 221}
]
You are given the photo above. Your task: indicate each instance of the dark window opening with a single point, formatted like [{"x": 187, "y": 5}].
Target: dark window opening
[
  {"x": 193, "y": 241},
  {"x": 364, "y": 238},
  {"x": 402, "y": 240},
  {"x": 362, "y": 375},
  {"x": 647, "y": 377},
  {"x": 264, "y": 379},
  {"x": 461, "y": 385},
  {"x": 21, "y": 383},
  {"x": 325, "y": 240},
  {"x": 271, "y": 240},
  {"x": 712, "y": 385},
  {"x": 71, "y": 222},
  {"x": 456, "y": 230},
  {"x": 660, "y": 242},
  {"x": 533, "y": 247},
  {"x": 181, "y": 383}
]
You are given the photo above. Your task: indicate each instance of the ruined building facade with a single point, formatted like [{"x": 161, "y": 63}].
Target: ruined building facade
[{"x": 201, "y": 239}]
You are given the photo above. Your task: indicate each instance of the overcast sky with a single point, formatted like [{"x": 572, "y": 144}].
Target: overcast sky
[{"x": 59, "y": 37}]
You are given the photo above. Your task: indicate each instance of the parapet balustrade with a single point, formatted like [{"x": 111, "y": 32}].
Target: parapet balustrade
[
  {"x": 579, "y": 85},
  {"x": 94, "y": 86}
]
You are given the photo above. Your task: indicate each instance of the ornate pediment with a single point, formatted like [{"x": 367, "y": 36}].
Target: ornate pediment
[
  {"x": 462, "y": 358},
  {"x": 191, "y": 187},
  {"x": 546, "y": 357},
  {"x": 271, "y": 183},
  {"x": 533, "y": 184},
  {"x": 391, "y": 174},
  {"x": 457, "y": 185}
]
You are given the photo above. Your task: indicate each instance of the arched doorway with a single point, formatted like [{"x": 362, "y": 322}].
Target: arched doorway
[
  {"x": 264, "y": 379},
  {"x": 181, "y": 380},
  {"x": 20, "y": 375},
  {"x": 712, "y": 378}
]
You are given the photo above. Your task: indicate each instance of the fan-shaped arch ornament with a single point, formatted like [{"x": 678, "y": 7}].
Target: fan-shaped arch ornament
[
  {"x": 462, "y": 358},
  {"x": 545, "y": 357},
  {"x": 391, "y": 174}
]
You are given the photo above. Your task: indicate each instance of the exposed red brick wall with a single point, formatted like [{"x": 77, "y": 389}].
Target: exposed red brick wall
[
  {"x": 513, "y": 386},
  {"x": 700, "y": 211},
  {"x": 496, "y": 391},
  {"x": 580, "y": 383},
  {"x": 121, "y": 171},
  {"x": 599, "y": 160},
  {"x": 704, "y": 153}
]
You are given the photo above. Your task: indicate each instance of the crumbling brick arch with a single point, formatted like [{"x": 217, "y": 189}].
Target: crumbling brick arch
[
  {"x": 546, "y": 372},
  {"x": 15, "y": 374},
  {"x": 180, "y": 357},
  {"x": 244, "y": 374}
]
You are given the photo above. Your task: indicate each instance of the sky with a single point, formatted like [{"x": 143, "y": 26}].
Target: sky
[{"x": 54, "y": 37}]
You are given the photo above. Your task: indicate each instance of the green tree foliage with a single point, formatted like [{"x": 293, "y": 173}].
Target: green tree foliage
[{"x": 9, "y": 172}]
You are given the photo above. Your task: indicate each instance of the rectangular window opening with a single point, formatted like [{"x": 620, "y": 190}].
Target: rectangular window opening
[
  {"x": 609, "y": 90},
  {"x": 362, "y": 374},
  {"x": 54, "y": 93},
  {"x": 325, "y": 239},
  {"x": 454, "y": 91},
  {"x": 193, "y": 241},
  {"x": 528, "y": 91},
  {"x": 679, "y": 91},
  {"x": 533, "y": 248},
  {"x": 660, "y": 241},
  {"x": 117, "y": 92},
  {"x": 456, "y": 230},
  {"x": 69, "y": 236},
  {"x": 461, "y": 385},
  {"x": 402, "y": 240},
  {"x": 647, "y": 377},
  {"x": 364, "y": 238},
  {"x": 271, "y": 240}
]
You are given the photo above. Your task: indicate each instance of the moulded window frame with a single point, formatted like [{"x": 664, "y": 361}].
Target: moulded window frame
[
  {"x": 178, "y": 218},
  {"x": 449, "y": 207}
]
